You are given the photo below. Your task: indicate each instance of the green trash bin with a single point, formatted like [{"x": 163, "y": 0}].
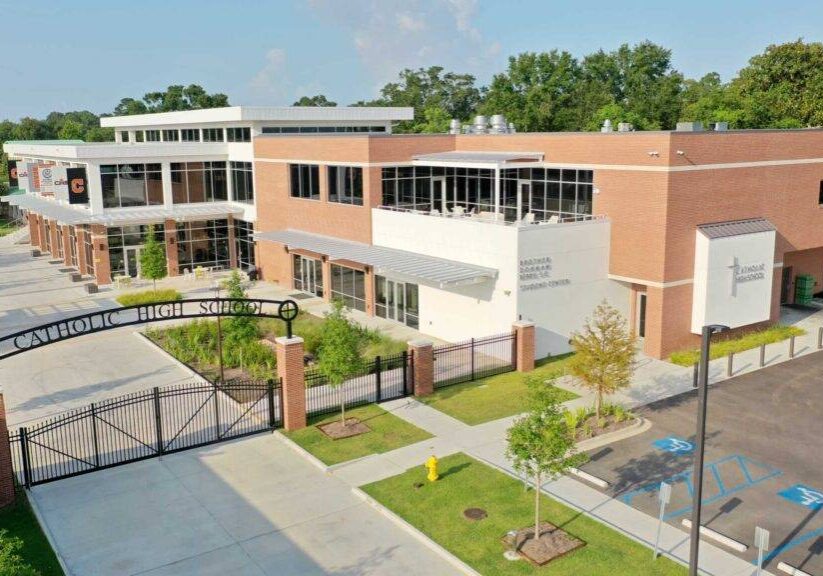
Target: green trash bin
[{"x": 803, "y": 289}]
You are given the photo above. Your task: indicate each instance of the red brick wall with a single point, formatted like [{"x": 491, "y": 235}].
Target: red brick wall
[
  {"x": 6, "y": 468},
  {"x": 100, "y": 248}
]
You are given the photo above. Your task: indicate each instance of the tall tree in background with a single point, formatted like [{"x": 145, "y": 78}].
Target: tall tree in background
[
  {"x": 177, "y": 97},
  {"x": 319, "y": 100},
  {"x": 424, "y": 89}
]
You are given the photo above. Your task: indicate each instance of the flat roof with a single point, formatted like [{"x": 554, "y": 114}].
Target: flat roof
[
  {"x": 403, "y": 265},
  {"x": 263, "y": 114},
  {"x": 78, "y": 150}
]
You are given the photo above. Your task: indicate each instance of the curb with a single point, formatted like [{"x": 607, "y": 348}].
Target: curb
[
  {"x": 791, "y": 570},
  {"x": 717, "y": 537},
  {"x": 302, "y": 452},
  {"x": 639, "y": 426},
  {"x": 411, "y": 530},
  {"x": 183, "y": 366}
]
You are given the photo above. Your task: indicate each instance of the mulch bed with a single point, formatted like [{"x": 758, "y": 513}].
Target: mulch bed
[
  {"x": 552, "y": 544},
  {"x": 612, "y": 425},
  {"x": 336, "y": 430}
]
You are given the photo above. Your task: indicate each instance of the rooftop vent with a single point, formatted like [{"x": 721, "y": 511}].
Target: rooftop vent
[
  {"x": 607, "y": 126},
  {"x": 720, "y": 126},
  {"x": 481, "y": 125},
  {"x": 625, "y": 127},
  {"x": 690, "y": 126},
  {"x": 454, "y": 126}
]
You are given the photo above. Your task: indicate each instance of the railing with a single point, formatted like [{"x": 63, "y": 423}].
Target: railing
[
  {"x": 473, "y": 359},
  {"x": 143, "y": 425},
  {"x": 499, "y": 218},
  {"x": 383, "y": 378}
]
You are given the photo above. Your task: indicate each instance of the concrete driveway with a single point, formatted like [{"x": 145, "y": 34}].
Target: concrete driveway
[{"x": 248, "y": 507}]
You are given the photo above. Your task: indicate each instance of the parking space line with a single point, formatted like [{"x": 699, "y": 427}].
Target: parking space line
[{"x": 793, "y": 543}]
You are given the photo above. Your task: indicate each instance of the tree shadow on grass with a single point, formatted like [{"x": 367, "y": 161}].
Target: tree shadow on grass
[{"x": 454, "y": 469}]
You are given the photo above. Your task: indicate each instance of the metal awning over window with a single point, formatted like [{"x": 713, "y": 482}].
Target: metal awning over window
[
  {"x": 478, "y": 159},
  {"x": 399, "y": 264}
]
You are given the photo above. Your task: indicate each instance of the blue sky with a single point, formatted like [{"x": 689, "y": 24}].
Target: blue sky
[{"x": 87, "y": 54}]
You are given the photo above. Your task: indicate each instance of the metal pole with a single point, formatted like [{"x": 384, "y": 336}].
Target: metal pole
[
  {"x": 791, "y": 347},
  {"x": 24, "y": 452},
  {"x": 694, "y": 378},
  {"x": 94, "y": 433},
  {"x": 379, "y": 381},
  {"x": 158, "y": 420},
  {"x": 663, "y": 496},
  {"x": 762, "y": 355},
  {"x": 700, "y": 437},
  {"x": 730, "y": 367},
  {"x": 820, "y": 338}
]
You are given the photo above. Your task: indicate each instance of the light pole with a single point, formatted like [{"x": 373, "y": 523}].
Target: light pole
[
  {"x": 219, "y": 331},
  {"x": 700, "y": 448}
]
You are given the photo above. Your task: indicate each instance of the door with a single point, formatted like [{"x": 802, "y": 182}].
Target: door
[
  {"x": 640, "y": 322},
  {"x": 439, "y": 195},
  {"x": 786, "y": 285},
  {"x": 308, "y": 275},
  {"x": 133, "y": 262},
  {"x": 524, "y": 198}
]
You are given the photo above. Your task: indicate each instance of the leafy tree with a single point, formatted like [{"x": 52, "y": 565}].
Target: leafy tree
[
  {"x": 423, "y": 89},
  {"x": 435, "y": 120},
  {"x": 153, "y": 259},
  {"x": 339, "y": 355},
  {"x": 604, "y": 353},
  {"x": 177, "y": 97},
  {"x": 130, "y": 107},
  {"x": 11, "y": 563},
  {"x": 710, "y": 100},
  {"x": 319, "y": 100},
  {"x": 239, "y": 329},
  {"x": 30, "y": 129},
  {"x": 540, "y": 444},
  {"x": 71, "y": 130}
]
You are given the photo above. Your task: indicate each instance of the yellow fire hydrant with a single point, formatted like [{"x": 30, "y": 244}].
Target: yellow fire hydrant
[{"x": 431, "y": 466}]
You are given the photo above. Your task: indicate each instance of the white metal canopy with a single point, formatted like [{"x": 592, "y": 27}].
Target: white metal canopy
[
  {"x": 477, "y": 159},
  {"x": 400, "y": 264}
]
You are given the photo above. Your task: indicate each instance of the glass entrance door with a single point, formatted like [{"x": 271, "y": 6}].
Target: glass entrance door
[
  {"x": 308, "y": 275},
  {"x": 439, "y": 195},
  {"x": 133, "y": 261},
  {"x": 397, "y": 301}
]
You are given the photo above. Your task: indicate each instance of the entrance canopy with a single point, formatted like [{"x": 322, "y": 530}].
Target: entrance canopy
[
  {"x": 478, "y": 159},
  {"x": 399, "y": 264}
]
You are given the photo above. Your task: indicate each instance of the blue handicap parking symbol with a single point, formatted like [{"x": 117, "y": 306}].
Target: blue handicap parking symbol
[
  {"x": 803, "y": 495},
  {"x": 674, "y": 444}
]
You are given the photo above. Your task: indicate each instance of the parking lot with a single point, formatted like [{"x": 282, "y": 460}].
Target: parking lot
[{"x": 764, "y": 461}]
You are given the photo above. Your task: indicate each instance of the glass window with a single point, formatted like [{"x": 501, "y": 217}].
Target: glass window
[
  {"x": 193, "y": 182},
  {"x": 119, "y": 238},
  {"x": 171, "y": 135},
  {"x": 346, "y": 185},
  {"x": 242, "y": 182},
  {"x": 190, "y": 135},
  {"x": 558, "y": 194},
  {"x": 131, "y": 185},
  {"x": 304, "y": 181},
  {"x": 213, "y": 135},
  {"x": 124, "y": 136},
  {"x": 238, "y": 134},
  {"x": 139, "y": 136},
  {"x": 348, "y": 286},
  {"x": 202, "y": 243},
  {"x": 152, "y": 135},
  {"x": 243, "y": 232}
]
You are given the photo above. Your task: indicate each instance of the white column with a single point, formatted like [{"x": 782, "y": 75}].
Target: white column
[
  {"x": 230, "y": 182},
  {"x": 132, "y": 136},
  {"x": 496, "y": 193},
  {"x": 118, "y": 136},
  {"x": 95, "y": 188},
  {"x": 168, "y": 198}
]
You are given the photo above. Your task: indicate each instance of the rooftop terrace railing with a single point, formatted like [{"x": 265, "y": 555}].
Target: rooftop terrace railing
[{"x": 501, "y": 218}]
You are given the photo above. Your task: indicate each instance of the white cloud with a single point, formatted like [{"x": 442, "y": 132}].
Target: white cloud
[
  {"x": 271, "y": 78},
  {"x": 390, "y": 35}
]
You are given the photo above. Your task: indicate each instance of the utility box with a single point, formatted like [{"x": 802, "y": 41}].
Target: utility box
[{"x": 803, "y": 289}]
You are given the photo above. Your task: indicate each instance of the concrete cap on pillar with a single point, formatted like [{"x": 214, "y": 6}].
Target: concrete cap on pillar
[
  {"x": 286, "y": 341},
  {"x": 420, "y": 343},
  {"x": 523, "y": 324}
]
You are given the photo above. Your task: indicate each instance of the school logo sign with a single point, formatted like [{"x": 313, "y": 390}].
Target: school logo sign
[
  {"x": 78, "y": 186},
  {"x": 12, "y": 173}
]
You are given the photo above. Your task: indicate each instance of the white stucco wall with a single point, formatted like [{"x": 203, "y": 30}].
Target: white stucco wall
[{"x": 732, "y": 280}]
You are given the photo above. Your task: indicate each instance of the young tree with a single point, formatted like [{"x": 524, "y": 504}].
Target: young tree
[
  {"x": 339, "y": 356},
  {"x": 153, "y": 259},
  {"x": 239, "y": 329},
  {"x": 604, "y": 353},
  {"x": 540, "y": 444}
]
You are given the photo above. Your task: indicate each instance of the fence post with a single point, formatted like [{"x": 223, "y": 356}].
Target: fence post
[
  {"x": 216, "y": 410},
  {"x": 406, "y": 368},
  {"x": 270, "y": 393},
  {"x": 730, "y": 366},
  {"x": 820, "y": 338},
  {"x": 524, "y": 335},
  {"x": 94, "y": 432},
  {"x": 6, "y": 466},
  {"x": 762, "y": 355},
  {"x": 377, "y": 369},
  {"x": 472, "y": 354},
  {"x": 158, "y": 420},
  {"x": 423, "y": 366},
  {"x": 24, "y": 452},
  {"x": 791, "y": 347},
  {"x": 292, "y": 381},
  {"x": 694, "y": 374}
]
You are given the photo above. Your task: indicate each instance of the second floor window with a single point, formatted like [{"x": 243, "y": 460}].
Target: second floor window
[
  {"x": 124, "y": 136},
  {"x": 213, "y": 135},
  {"x": 152, "y": 135},
  {"x": 190, "y": 135},
  {"x": 131, "y": 185},
  {"x": 171, "y": 135},
  {"x": 305, "y": 181},
  {"x": 198, "y": 182},
  {"x": 242, "y": 182},
  {"x": 346, "y": 185},
  {"x": 238, "y": 134}
]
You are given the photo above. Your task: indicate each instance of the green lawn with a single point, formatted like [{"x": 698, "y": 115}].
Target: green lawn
[
  {"x": 722, "y": 347},
  {"x": 496, "y": 396},
  {"x": 387, "y": 433},
  {"x": 19, "y": 521},
  {"x": 437, "y": 510},
  {"x": 7, "y": 227}
]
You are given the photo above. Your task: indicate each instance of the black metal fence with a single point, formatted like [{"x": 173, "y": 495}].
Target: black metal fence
[
  {"x": 384, "y": 378},
  {"x": 143, "y": 425},
  {"x": 476, "y": 358}
]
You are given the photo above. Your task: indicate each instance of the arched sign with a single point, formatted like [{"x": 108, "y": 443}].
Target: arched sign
[{"x": 68, "y": 328}]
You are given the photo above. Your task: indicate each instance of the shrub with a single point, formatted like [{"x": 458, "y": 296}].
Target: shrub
[
  {"x": 738, "y": 343},
  {"x": 148, "y": 297},
  {"x": 571, "y": 420},
  {"x": 11, "y": 563}
]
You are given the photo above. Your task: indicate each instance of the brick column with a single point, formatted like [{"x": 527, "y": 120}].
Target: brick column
[
  {"x": 100, "y": 249},
  {"x": 423, "y": 374},
  {"x": 54, "y": 239},
  {"x": 44, "y": 230},
  {"x": 326, "y": 270},
  {"x": 6, "y": 469},
  {"x": 81, "y": 249},
  {"x": 369, "y": 281},
  {"x": 67, "y": 245},
  {"x": 289, "y": 353},
  {"x": 525, "y": 346},
  {"x": 170, "y": 236},
  {"x": 34, "y": 230}
]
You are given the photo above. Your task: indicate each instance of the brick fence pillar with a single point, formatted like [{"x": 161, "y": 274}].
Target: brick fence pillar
[
  {"x": 525, "y": 345},
  {"x": 289, "y": 353},
  {"x": 6, "y": 469},
  {"x": 66, "y": 245},
  {"x": 422, "y": 352},
  {"x": 100, "y": 250},
  {"x": 34, "y": 230},
  {"x": 53, "y": 238}
]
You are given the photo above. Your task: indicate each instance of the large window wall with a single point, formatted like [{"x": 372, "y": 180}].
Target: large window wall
[
  {"x": 320, "y": 129},
  {"x": 436, "y": 188},
  {"x": 345, "y": 185},
  {"x": 131, "y": 185},
  {"x": 122, "y": 244},
  {"x": 202, "y": 243},
  {"x": 349, "y": 286},
  {"x": 198, "y": 182},
  {"x": 243, "y": 232},
  {"x": 564, "y": 194},
  {"x": 242, "y": 182}
]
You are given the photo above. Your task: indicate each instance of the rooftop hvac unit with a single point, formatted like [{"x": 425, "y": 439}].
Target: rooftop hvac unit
[
  {"x": 480, "y": 124},
  {"x": 625, "y": 127},
  {"x": 721, "y": 126},
  {"x": 454, "y": 126},
  {"x": 607, "y": 126},
  {"x": 689, "y": 126}
]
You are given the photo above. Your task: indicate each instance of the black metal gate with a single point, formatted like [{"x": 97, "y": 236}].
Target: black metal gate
[{"x": 143, "y": 425}]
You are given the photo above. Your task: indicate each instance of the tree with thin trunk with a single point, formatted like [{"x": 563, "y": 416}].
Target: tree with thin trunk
[
  {"x": 604, "y": 354},
  {"x": 339, "y": 355},
  {"x": 153, "y": 259},
  {"x": 540, "y": 444}
]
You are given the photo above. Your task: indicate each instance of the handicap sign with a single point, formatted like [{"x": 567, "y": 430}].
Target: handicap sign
[
  {"x": 674, "y": 444},
  {"x": 803, "y": 495}
]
